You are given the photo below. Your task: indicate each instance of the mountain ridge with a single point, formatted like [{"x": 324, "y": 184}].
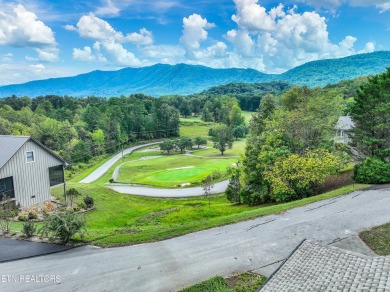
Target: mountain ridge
[{"x": 184, "y": 79}]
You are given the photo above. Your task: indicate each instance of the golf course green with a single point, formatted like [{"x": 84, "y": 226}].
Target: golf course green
[{"x": 173, "y": 170}]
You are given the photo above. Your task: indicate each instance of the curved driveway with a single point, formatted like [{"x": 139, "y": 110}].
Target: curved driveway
[
  {"x": 219, "y": 187},
  {"x": 108, "y": 164},
  {"x": 148, "y": 191},
  {"x": 258, "y": 245}
]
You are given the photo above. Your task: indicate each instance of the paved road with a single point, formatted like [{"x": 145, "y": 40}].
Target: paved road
[
  {"x": 169, "y": 193},
  {"x": 107, "y": 165},
  {"x": 172, "y": 264},
  {"x": 24, "y": 249}
]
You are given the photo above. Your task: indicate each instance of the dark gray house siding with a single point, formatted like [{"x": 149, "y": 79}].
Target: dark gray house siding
[{"x": 31, "y": 179}]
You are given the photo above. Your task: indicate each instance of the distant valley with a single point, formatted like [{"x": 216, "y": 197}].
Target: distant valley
[{"x": 185, "y": 79}]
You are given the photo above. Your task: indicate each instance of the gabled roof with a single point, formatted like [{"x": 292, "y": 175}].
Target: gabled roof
[
  {"x": 10, "y": 145},
  {"x": 316, "y": 267},
  {"x": 344, "y": 123}
]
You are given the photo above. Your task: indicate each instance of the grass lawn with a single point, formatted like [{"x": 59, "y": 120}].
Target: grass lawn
[
  {"x": 120, "y": 219},
  {"x": 143, "y": 152},
  {"x": 194, "y": 127},
  {"x": 237, "y": 150},
  {"x": 246, "y": 282},
  {"x": 197, "y": 130},
  {"x": 247, "y": 116},
  {"x": 172, "y": 170},
  {"x": 175, "y": 169},
  {"x": 378, "y": 239}
]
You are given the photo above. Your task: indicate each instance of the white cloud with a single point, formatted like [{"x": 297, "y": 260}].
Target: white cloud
[
  {"x": 91, "y": 27},
  {"x": 242, "y": 41},
  {"x": 169, "y": 54},
  {"x": 12, "y": 73},
  {"x": 108, "y": 46},
  {"x": 253, "y": 17},
  {"x": 383, "y": 5},
  {"x": 94, "y": 28},
  {"x": 113, "y": 8},
  {"x": 194, "y": 32},
  {"x": 369, "y": 48},
  {"x": 38, "y": 68},
  {"x": 70, "y": 27},
  {"x": 22, "y": 28},
  {"x": 144, "y": 37},
  {"x": 84, "y": 55},
  {"x": 108, "y": 9},
  {"x": 118, "y": 55},
  {"x": 283, "y": 39},
  {"x": 6, "y": 57}
]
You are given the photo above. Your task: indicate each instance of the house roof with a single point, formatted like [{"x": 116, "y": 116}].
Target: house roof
[
  {"x": 10, "y": 145},
  {"x": 344, "y": 123},
  {"x": 314, "y": 267}
]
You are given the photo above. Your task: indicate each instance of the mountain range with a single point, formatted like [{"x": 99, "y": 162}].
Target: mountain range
[{"x": 185, "y": 79}]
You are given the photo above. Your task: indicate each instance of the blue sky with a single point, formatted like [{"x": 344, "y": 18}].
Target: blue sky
[{"x": 43, "y": 39}]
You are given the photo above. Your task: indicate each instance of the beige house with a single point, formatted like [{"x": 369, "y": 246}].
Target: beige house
[
  {"x": 343, "y": 129},
  {"x": 28, "y": 170}
]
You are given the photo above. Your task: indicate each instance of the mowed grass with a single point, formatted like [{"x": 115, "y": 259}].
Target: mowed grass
[
  {"x": 247, "y": 116},
  {"x": 171, "y": 170},
  {"x": 237, "y": 150},
  {"x": 175, "y": 169},
  {"x": 197, "y": 130},
  {"x": 194, "y": 127},
  {"x": 378, "y": 239},
  {"x": 136, "y": 155},
  {"x": 120, "y": 219}
]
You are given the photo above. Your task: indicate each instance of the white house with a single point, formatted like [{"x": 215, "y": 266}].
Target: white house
[
  {"x": 343, "y": 129},
  {"x": 28, "y": 170}
]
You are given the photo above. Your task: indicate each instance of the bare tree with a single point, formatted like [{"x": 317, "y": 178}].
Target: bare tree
[{"x": 208, "y": 185}]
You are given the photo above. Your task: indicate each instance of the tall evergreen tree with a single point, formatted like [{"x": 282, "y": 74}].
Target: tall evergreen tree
[
  {"x": 371, "y": 115},
  {"x": 252, "y": 177}
]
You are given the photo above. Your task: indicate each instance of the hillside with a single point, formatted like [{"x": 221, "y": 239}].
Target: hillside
[{"x": 185, "y": 79}]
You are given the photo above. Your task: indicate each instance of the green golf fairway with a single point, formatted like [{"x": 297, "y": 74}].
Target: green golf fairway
[{"x": 172, "y": 170}]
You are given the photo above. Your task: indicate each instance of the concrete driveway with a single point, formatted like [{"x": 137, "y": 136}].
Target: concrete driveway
[
  {"x": 109, "y": 163},
  {"x": 168, "y": 193},
  {"x": 259, "y": 244},
  {"x": 12, "y": 249}
]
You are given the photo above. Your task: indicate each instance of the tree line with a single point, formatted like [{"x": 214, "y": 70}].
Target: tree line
[
  {"x": 290, "y": 150},
  {"x": 80, "y": 128}
]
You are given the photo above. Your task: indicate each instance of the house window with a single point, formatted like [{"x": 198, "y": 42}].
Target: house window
[
  {"x": 30, "y": 156},
  {"x": 7, "y": 187},
  {"x": 56, "y": 175}
]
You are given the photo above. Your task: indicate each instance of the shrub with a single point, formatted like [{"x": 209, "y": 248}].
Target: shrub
[
  {"x": 63, "y": 225},
  {"x": 298, "y": 176},
  {"x": 372, "y": 171},
  {"x": 72, "y": 194},
  {"x": 28, "y": 229},
  {"x": 8, "y": 209},
  {"x": 77, "y": 208},
  {"x": 216, "y": 174},
  {"x": 32, "y": 216},
  {"x": 23, "y": 218},
  {"x": 111, "y": 180},
  {"x": 89, "y": 202}
]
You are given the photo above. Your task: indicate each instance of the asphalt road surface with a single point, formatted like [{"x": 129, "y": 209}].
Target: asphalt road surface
[
  {"x": 168, "y": 193},
  {"x": 259, "y": 244},
  {"x": 12, "y": 249},
  {"x": 107, "y": 165}
]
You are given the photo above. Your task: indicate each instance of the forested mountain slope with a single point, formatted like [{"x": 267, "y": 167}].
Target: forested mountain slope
[{"x": 185, "y": 79}]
